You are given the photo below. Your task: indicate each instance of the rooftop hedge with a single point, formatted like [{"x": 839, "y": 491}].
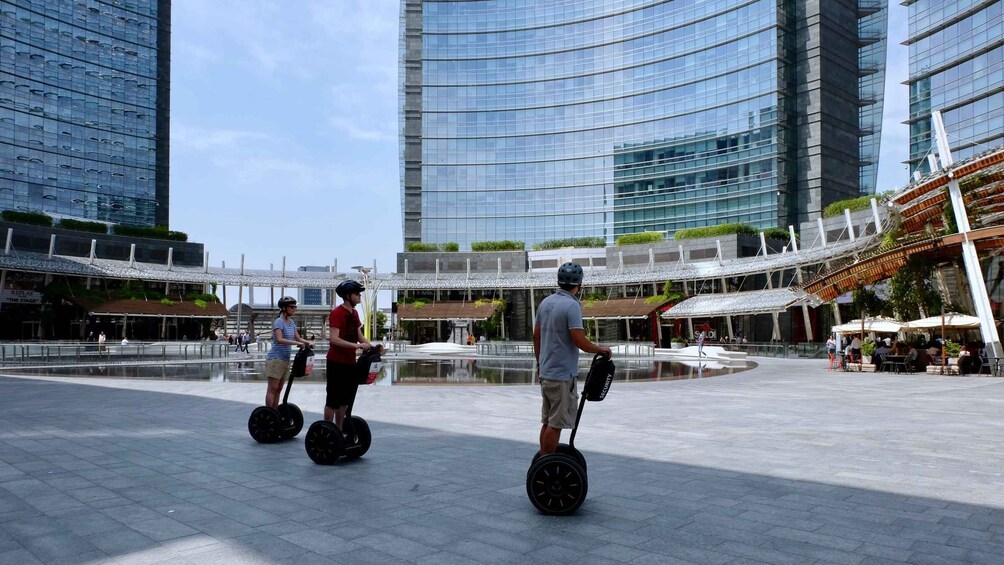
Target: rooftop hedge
[
  {"x": 503, "y": 245},
  {"x": 419, "y": 247},
  {"x": 80, "y": 225},
  {"x": 643, "y": 237},
  {"x": 711, "y": 231},
  {"x": 33, "y": 218},
  {"x": 588, "y": 242},
  {"x": 158, "y": 232}
]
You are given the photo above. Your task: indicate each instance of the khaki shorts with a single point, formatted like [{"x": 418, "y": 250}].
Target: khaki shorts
[
  {"x": 277, "y": 368},
  {"x": 560, "y": 403}
]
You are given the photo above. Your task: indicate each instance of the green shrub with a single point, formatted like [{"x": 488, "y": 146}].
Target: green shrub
[
  {"x": 852, "y": 204},
  {"x": 643, "y": 237},
  {"x": 952, "y": 349},
  {"x": 711, "y": 231},
  {"x": 80, "y": 225},
  {"x": 167, "y": 302},
  {"x": 419, "y": 247},
  {"x": 205, "y": 298},
  {"x": 503, "y": 245},
  {"x": 587, "y": 242},
  {"x": 33, "y": 218},
  {"x": 778, "y": 233},
  {"x": 158, "y": 232},
  {"x": 200, "y": 303},
  {"x": 868, "y": 348}
]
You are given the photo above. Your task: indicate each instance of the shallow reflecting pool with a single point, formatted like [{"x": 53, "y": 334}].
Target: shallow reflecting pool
[{"x": 483, "y": 371}]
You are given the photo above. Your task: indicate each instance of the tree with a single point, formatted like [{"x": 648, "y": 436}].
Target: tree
[
  {"x": 911, "y": 293},
  {"x": 864, "y": 300}
]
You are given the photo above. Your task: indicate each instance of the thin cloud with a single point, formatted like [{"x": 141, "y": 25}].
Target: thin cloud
[{"x": 202, "y": 139}]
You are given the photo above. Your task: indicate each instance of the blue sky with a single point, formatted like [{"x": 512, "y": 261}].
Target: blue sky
[{"x": 284, "y": 129}]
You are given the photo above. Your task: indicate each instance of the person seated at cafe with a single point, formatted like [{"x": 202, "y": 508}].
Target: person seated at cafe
[
  {"x": 856, "y": 347},
  {"x": 879, "y": 358},
  {"x": 965, "y": 361},
  {"x": 912, "y": 361}
]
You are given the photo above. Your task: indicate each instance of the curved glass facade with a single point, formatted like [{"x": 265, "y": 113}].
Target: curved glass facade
[
  {"x": 534, "y": 120},
  {"x": 956, "y": 66},
  {"x": 84, "y": 99}
]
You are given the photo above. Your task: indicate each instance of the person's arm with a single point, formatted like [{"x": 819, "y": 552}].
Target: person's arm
[
  {"x": 337, "y": 341},
  {"x": 301, "y": 341},
  {"x": 582, "y": 342},
  {"x": 281, "y": 339},
  {"x": 536, "y": 343}
]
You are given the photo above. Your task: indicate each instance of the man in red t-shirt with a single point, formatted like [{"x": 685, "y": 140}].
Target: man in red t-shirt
[{"x": 346, "y": 337}]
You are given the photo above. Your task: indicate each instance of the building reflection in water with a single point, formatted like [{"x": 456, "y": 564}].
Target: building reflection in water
[{"x": 483, "y": 371}]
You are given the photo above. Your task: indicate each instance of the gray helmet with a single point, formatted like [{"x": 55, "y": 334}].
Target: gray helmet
[
  {"x": 570, "y": 273},
  {"x": 286, "y": 301},
  {"x": 348, "y": 287}
]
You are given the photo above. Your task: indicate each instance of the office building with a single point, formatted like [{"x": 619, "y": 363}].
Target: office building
[
  {"x": 84, "y": 109},
  {"x": 957, "y": 67},
  {"x": 534, "y": 121}
]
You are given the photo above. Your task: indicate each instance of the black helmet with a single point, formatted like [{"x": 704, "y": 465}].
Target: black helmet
[
  {"x": 286, "y": 301},
  {"x": 570, "y": 273},
  {"x": 348, "y": 287}
]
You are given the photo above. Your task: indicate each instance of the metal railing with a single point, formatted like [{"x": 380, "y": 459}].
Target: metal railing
[{"x": 55, "y": 353}]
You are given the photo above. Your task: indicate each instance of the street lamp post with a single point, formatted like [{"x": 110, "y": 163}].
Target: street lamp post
[{"x": 369, "y": 307}]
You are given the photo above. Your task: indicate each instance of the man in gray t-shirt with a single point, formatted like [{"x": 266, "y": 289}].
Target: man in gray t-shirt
[{"x": 558, "y": 336}]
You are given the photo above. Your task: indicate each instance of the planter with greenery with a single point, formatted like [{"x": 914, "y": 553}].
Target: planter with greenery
[
  {"x": 158, "y": 232},
  {"x": 33, "y": 218},
  {"x": 867, "y": 350},
  {"x": 640, "y": 238},
  {"x": 587, "y": 242},
  {"x": 504, "y": 245},
  {"x": 80, "y": 225},
  {"x": 952, "y": 349},
  {"x": 677, "y": 343},
  {"x": 419, "y": 247}
]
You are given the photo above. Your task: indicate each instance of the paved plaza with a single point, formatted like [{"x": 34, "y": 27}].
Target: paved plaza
[{"x": 787, "y": 463}]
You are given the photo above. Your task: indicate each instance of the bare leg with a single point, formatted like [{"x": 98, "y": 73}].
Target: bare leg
[
  {"x": 340, "y": 416},
  {"x": 272, "y": 393},
  {"x": 549, "y": 438},
  {"x": 329, "y": 413}
]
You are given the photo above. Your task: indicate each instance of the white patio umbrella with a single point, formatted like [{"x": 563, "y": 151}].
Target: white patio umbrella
[
  {"x": 951, "y": 320},
  {"x": 877, "y": 325}
]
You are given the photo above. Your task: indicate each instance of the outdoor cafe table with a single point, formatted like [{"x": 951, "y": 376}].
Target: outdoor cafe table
[{"x": 895, "y": 363}]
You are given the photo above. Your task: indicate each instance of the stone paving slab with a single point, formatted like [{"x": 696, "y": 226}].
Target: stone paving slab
[{"x": 786, "y": 463}]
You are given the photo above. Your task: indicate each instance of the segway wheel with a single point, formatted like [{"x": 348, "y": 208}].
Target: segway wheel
[
  {"x": 264, "y": 424},
  {"x": 556, "y": 484},
  {"x": 566, "y": 449},
  {"x": 324, "y": 443},
  {"x": 359, "y": 440},
  {"x": 292, "y": 420}
]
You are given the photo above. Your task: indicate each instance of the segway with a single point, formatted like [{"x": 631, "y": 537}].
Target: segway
[
  {"x": 556, "y": 483},
  {"x": 324, "y": 442},
  {"x": 269, "y": 425}
]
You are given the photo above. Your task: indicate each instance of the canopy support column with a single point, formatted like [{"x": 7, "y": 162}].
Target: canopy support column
[
  {"x": 777, "y": 326},
  {"x": 970, "y": 259}
]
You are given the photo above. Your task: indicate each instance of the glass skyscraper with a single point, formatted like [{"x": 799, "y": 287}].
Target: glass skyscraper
[
  {"x": 534, "y": 120},
  {"x": 84, "y": 109},
  {"x": 956, "y": 66}
]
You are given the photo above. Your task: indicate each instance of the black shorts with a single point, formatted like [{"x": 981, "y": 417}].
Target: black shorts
[{"x": 343, "y": 382}]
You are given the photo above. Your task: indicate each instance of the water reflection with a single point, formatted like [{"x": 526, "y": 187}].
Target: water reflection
[{"x": 484, "y": 371}]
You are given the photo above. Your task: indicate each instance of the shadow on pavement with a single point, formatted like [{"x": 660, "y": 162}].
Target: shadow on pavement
[{"x": 95, "y": 474}]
